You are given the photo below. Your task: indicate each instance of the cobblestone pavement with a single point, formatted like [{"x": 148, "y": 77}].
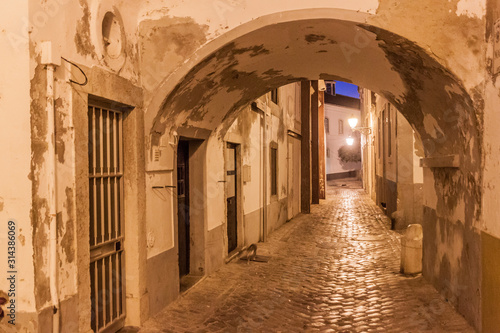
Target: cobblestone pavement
[{"x": 335, "y": 270}]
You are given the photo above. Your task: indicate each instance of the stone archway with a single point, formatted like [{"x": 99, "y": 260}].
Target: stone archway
[{"x": 225, "y": 75}]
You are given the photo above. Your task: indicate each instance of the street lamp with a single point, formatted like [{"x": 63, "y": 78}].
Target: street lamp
[{"x": 353, "y": 121}]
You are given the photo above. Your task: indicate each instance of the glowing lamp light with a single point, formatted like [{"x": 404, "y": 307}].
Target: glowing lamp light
[
  {"x": 350, "y": 141},
  {"x": 353, "y": 121}
]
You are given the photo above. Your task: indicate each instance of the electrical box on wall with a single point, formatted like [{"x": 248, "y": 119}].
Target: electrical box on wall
[
  {"x": 51, "y": 54},
  {"x": 161, "y": 157},
  {"x": 247, "y": 173}
]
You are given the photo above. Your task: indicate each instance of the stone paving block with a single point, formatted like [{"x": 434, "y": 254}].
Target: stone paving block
[{"x": 334, "y": 270}]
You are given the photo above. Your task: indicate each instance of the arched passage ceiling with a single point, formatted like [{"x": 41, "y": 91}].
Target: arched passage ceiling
[{"x": 426, "y": 93}]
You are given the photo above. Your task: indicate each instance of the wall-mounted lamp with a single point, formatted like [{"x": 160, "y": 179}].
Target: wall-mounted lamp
[
  {"x": 350, "y": 141},
  {"x": 176, "y": 139},
  {"x": 353, "y": 121}
]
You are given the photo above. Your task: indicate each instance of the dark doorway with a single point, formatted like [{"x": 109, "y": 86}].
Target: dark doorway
[
  {"x": 183, "y": 206},
  {"x": 231, "y": 179}
]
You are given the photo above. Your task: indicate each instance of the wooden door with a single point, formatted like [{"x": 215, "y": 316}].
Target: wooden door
[
  {"x": 183, "y": 235},
  {"x": 291, "y": 189},
  {"x": 231, "y": 195}
]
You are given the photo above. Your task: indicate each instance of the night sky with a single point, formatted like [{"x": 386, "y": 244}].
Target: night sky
[{"x": 346, "y": 89}]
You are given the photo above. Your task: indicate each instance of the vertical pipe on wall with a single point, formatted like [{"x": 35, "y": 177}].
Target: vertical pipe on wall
[
  {"x": 305, "y": 162},
  {"x": 314, "y": 143},
  {"x": 50, "y": 57},
  {"x": 260, "y": 108},
  {"x": 265, "y": 173},
  {"x": 52, "y": 199}
]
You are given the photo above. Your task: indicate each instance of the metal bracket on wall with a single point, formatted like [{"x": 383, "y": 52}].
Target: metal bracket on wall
[
  {"x": 447, "y": 161},
  {"x": 294, "y": 134}
]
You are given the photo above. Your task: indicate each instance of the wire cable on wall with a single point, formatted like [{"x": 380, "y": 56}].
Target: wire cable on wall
[{"x": 72, "y": 81}]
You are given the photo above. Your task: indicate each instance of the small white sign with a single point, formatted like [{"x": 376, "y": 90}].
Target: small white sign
[{"x": 496, "y": 48}]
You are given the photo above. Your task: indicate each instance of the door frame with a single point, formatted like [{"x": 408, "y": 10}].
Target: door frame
[
  {"x": 188, "y": 203},
  {"x": 123, "y": 95},
  {"x": 240, "y": 232},
  {"x": 197, "y": 202}
]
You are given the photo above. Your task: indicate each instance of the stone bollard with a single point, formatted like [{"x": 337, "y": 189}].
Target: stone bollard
[{"x": 411, "y": 250}]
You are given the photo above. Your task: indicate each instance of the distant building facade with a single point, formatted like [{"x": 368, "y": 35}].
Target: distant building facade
[{"x": 338, "y": 109}]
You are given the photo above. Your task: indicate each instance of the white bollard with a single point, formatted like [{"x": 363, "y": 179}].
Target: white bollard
[{"x": 411, "y": 250}]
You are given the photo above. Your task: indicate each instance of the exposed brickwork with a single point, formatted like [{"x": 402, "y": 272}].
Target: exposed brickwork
[{"x": 335, "y": 270}]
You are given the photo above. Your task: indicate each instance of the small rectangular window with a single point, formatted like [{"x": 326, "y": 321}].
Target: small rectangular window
[
  {"x": 274, "y": 96},
  {"x": 327, "y": 152},
  {"x": 330, "y": 88},
  {"x": 274, "y": 171},
  {"x": 327, "y": 126},
  {"x": 341, "y": 126}
]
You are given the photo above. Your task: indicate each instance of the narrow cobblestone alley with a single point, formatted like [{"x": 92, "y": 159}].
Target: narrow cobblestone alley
[{"x": 335, "y": 270}]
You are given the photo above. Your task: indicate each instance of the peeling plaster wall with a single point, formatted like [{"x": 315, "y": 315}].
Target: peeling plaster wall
[
  {"x": 393, "y": 159},
  {"x": 491, "y": 124},
  {"x": 198, "y": 66},
  {"x": 451, "y": 244},
  {"x": 15, "y": 184},
  {"x": 386, "y": 161},
  {"x": 491, "y": 182},
  {"x": 248, "y": 128},
  {"x": 74, "y": 29},
  {"x": 216, "y": 183},
  {"x": 409, "y": 175},
  {"x": 245, "y": 130},
  {"x": 418, "y": 64}
]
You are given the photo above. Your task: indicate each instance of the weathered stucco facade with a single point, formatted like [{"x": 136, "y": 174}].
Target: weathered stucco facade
[
  {"x": 391, "y": 157},
  {"x": 186, "y": 70}
]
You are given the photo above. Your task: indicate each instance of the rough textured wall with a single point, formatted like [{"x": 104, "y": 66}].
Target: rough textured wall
[
  {"x": 491, "y": 181},
  {"x": 431, "y": 73},
  {"x": 15, "y": 186},
  {"x": 429, "y": 62}
]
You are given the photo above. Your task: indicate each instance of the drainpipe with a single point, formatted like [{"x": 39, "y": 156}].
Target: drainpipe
[
  {"x": 260, "y": 107},
  {"x": 51, "y": 60},
  {"x": 264, "y": 180}
]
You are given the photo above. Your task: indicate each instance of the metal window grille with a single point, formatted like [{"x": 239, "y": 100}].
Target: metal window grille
[{"x": 106, "y": 218}]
